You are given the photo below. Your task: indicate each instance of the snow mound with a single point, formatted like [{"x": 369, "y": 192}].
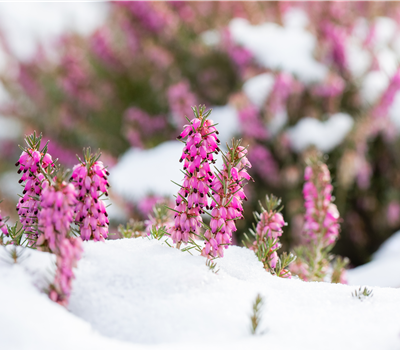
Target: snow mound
[
  {"x": 324, "y": 135},
  {"x": 153, "y": 296},
  {"x": 379, "y": 272},
  {"x": 274, "y": 46}
]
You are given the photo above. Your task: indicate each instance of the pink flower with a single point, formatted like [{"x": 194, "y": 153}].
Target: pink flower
[
  {"x": 31, "y": 164},
  {"x": 69, "y": 252},
  {"x": 321, "y": 217},
  {"x": 56, "y": 214},
  {"x": 227, "y": 195},
  {"x": 201, "y": 143},
  {"x": 180, "y": 99},
  {"x": 90, "y": 180}
]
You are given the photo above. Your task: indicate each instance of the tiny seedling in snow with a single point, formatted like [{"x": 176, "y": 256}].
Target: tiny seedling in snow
[
  {"x": 212, "y": 266},
  {"x": 256, "y": 314},
  {"x": 362, "y": 294}
]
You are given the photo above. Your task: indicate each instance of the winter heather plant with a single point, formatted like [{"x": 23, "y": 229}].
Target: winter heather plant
[
  {"x": 90, "y": 180},
  {"x": 269, "y": 227},
  {"x": 223, "y": 187},
  {"x": 138, "y": 73},
  {"x": 50, "y": 206},
  {"x": 321, "y": 224}
]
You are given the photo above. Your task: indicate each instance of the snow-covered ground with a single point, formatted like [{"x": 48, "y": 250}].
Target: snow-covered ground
[
  {"x": 138, "y": 294},
  {"x": 383, "y": 269}
]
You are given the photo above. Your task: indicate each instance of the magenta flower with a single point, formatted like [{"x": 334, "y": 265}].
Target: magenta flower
[
  {"x": 32, "y": 164},
  {"x": 180, "y": 99},
  {"x": 197, "y": 156},
  {"x": 3, "y": 226},
  {"x": 269, "y": 227},
  {"x": 68, "y": 254},
  {"x": 56, "y": 214},
  {"x": 227, "y": 196},
  {"x": 321, "y": 217},
  {"x": 90, "y": 180}
]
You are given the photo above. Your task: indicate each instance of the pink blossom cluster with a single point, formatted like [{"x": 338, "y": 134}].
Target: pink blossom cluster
[
  {"x": 56, "y": 214},
  {"x": 101, "y": 46},
  {"x": 147, "y": 14},
  {"x": 251, "y": 124},
  {"x": 69, "y": 253},
  {"x": 90, "y": 180},
  {"x": 280, "y": 92},
  {"x": 180, "y": 99},
  {"x": 333, "y": 86},
  {"x": 321, "y": 217},
  {"x": 270, "y": 226},
  {"x": 388, "y": 97},
  {"x": 138, "y": 123},
  {"x": 264, "y": 164},
  {"x": 336, "y": 37},
  {"x": 3, "y": 226},
  {"x": 227, "y": 198},
  {"x": 201, "y": 143},
  {"x": 30, "y": 163}
]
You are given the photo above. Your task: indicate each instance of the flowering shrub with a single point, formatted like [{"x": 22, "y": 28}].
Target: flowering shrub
[
  {"x": 321, "y": 224},
  {"x": 131, "y": 82},
  {"x": 267, "y": 232},
  {"x": 33, "y": 163},
  {"x": 50, "y": 206}
]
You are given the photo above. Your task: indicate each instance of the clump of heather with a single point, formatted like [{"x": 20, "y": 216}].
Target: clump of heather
[
  {"x": 56, "y": 214},
  {"x": 321, "y": 223},
  {"x": 33, "y": 164},
  {"x": 55, "y": 217},
  {"x": 201, "y": 142},
  {"x": 227, "y": 194},
  {"x": 269, "y": 228},
  {"x": 69, "y": 252},
  {"x": 90, "y": 180}
]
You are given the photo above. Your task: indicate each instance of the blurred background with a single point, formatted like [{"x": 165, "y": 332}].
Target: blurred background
[{"x": 286, "y": 77}]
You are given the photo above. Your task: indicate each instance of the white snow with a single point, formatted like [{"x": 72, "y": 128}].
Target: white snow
[
  {"x": 383, "y": 269},
  {"x": 359, "y": 59},
  {"x": 141, "y": 172},
  {"x": 374, "y": 85},
  {"x": 141, "y": 294},
  {"x": 324, "y": 135},
  {"x": 258, "y": 88},
  {"x": 289, "y": 48},
  {"x": 385, "y": 31},
  {"x": 10, "y": 129}
]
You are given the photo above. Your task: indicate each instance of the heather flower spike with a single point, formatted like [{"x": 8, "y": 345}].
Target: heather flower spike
[
  {"x": 55, "y": 217},
  {"x": 90, "y": 180},
  {"x": 227, "y": 195},
  {"x": 36, "y": 166},
  {"x": 321, "y": 224},
  {"x": 3, "y": 226},
  {"x": 198, "y": 153},
  {"x": 266, "y": 233}
]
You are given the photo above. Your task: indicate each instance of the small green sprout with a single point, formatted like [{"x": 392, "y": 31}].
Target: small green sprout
[
  {"x": 362, "y": 294},
  {"x": 256, "y": 314}
]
